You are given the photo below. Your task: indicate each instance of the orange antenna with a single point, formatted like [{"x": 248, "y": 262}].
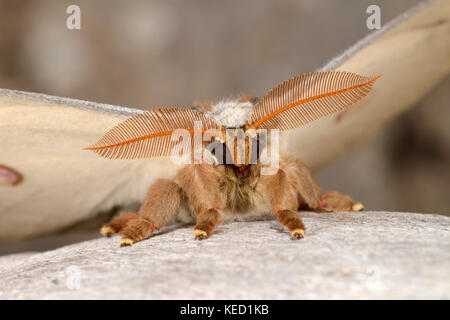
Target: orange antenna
[
  {"x": 149, "y": 134},
  {"x": 308, "y": 97}
]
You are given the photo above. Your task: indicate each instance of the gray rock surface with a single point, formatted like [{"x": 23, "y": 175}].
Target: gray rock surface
[{"x": 344, "y": 255}]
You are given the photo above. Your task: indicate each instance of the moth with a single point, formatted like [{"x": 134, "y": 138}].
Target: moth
[
  {"x": 229, "y": 183},
  {"x": 49, "y": 183}
]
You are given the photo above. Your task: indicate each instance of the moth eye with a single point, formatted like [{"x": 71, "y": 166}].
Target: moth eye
[
  {"x": 219, "y": 150},
  {"x": 227, "y": 155},
  {"x": 255, "y": 150}
]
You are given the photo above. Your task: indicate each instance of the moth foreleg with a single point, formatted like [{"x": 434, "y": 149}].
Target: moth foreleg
[
  {"x": 201, "y": 186},
  {"x": 284, "y": 202},
  {"x": 292, "y": 221}
]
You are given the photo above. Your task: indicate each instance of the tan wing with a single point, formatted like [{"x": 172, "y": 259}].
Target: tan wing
[
  {"x": 412, "y": 53},
  {"x": 42, "y": 139}
]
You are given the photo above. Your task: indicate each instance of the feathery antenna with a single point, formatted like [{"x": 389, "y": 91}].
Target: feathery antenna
[
  {"x": 149, "y": 134},
  {"x": 308, "y": 97}
]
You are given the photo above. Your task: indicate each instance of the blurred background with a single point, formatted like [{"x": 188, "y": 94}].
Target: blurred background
[{"x": 145, "y": 54}]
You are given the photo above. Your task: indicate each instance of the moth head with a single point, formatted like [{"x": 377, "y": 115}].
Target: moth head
[{"x": 237, "y": 146}]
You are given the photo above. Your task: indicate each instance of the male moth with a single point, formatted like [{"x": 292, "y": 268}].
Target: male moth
[
  {"x": 229, "y": 181},
  {"x": 43, "y": 136}
]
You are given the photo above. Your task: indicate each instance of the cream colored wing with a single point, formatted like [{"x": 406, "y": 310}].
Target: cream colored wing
[
  {"x": 412, "y": 54},
  {"x": 42, "y": 138}
]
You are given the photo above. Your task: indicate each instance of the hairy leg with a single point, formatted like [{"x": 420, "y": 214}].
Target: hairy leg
[
  {"x": 200, "y": 183},
  {"x": 161, "y": 203},
  {"x": 117, "y": 223},
  {"x": 292, "y": 221},
  {"x": 333, "y": 201},
  {"x": 282, "y": 192},
  {"x": 136, "y": 230},
  {"x": 308, "y": 189},
  {"x": 309, "y": 192}
]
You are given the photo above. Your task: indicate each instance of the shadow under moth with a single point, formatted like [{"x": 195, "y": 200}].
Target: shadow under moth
[
  {"x": 49, "y": 183},
  {"x": 228, "y": 182}
]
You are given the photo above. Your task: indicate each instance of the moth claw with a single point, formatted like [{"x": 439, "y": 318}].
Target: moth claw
[
  {"x": 107, "y": 231},
  {"x": 297, "y": 234},
  {"x": 200, "y": 234},
  {"x": 125, "y": 242}
]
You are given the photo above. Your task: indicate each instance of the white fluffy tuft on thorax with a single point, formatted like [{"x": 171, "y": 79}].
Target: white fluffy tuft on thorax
[{"x": 231, "y": 113}]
